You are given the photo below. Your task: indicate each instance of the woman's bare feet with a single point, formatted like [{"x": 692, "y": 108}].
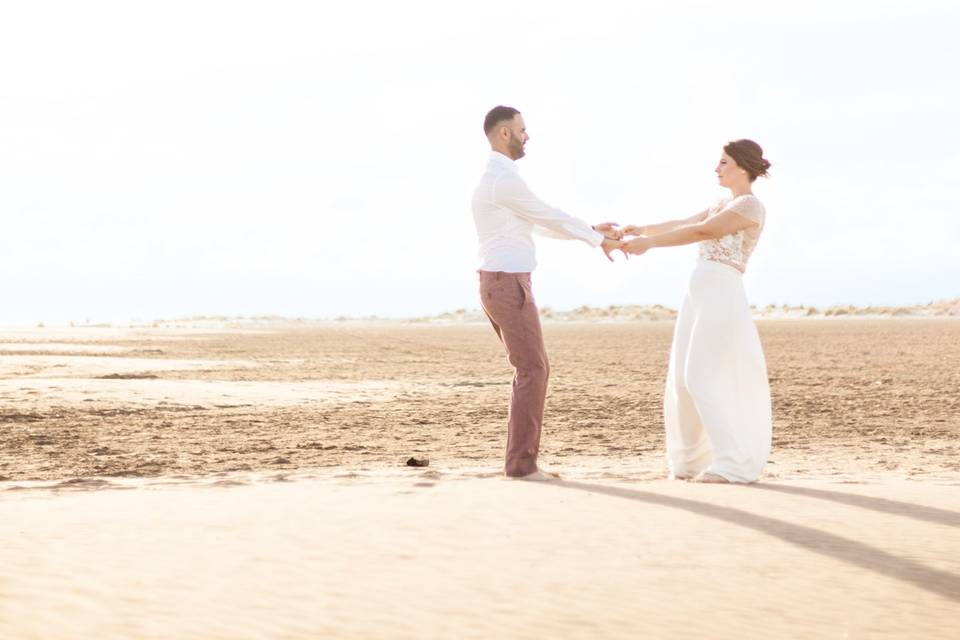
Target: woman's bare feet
[{"x": 711, "y": 478}]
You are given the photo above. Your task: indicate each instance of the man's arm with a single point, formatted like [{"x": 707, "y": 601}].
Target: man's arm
[
  {"x": 610, "y": 237},
  {"x": 607, "y": 229},
  {"x": 512, "y": 192}
]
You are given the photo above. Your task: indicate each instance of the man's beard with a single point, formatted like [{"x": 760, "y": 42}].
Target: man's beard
[{"x": 516, "y": 147}]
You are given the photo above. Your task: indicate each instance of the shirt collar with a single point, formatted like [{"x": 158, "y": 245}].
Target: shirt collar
[{"x": 501, "y": 160}]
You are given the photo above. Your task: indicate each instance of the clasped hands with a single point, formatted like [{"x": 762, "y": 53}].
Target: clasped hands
[{"x": 614, "y": 239}]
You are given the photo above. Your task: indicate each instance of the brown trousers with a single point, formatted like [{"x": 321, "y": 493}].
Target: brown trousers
[{"x": 508, "y": 301}]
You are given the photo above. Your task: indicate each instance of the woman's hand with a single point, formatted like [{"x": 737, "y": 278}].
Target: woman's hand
[
  {"x": 637, "y": 246},
  {"x": 632, "y": 230}
]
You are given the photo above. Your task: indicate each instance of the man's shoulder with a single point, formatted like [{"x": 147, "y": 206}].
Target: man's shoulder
[
  {"x": 507, "y": 183},
  {"x": 507, "y": 177}
]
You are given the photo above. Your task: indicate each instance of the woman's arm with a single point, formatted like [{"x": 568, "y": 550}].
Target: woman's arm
[
  {"x": 663, "y": 227},
  {"x": 716, "y": 227}
]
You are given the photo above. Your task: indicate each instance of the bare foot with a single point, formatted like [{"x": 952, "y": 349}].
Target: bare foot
[
  {"x": 711, "y": 478},
  {"x": 538, "y": 476},
  {"x": 680, "y": 476}
]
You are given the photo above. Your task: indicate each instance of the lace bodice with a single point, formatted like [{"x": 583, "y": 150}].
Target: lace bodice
[{"x": 735, "y": 249}]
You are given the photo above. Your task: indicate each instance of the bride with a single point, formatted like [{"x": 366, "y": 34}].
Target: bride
[{"x": 717, "y": 400}]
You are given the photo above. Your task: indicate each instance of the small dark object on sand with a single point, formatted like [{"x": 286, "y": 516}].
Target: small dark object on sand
[{"x": 418, "y": 462}]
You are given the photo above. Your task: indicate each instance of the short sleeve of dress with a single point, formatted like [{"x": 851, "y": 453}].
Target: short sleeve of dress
[{"x": 748, "y": 207}]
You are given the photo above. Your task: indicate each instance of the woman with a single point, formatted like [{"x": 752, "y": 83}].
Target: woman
[{"x": 717, "y": 399}]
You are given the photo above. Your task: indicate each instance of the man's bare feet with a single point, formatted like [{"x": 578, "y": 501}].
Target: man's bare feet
[
  {"x": 711, "y": 478},
  {"x": 537, "y": 476}
]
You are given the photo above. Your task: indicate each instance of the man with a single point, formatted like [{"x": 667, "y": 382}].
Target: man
[{"x": 506, "y": 213}]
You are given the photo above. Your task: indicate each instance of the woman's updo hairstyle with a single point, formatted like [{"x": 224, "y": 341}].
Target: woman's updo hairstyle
[{"x": 749, "y": 156}]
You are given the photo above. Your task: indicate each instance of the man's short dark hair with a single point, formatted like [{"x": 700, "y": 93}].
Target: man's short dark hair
[{"x": 497, "y": 115}]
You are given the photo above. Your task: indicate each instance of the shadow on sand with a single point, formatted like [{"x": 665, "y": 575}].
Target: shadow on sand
[
  {"x": 883, "y": 505},
  {"x": 850, "y": 551}
]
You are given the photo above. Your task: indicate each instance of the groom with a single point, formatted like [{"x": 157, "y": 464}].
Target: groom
[{"x": 506, "y": 213}]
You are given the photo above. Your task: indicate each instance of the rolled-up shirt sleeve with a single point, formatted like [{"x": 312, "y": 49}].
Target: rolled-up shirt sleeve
[{"x": 513, "y": 193}]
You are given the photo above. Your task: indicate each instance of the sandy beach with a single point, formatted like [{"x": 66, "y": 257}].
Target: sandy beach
[
  {"x": 851, "y": 396},
  {"x": 435, "y": 555},
  {"x": 249, "y": 482},
  {"x": 249, "y": 386}
]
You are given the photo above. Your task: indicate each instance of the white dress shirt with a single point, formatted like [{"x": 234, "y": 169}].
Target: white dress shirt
[{"x": 507, "y": 213}]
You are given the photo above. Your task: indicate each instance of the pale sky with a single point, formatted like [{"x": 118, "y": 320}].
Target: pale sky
[{"x": 238, "y": 158}]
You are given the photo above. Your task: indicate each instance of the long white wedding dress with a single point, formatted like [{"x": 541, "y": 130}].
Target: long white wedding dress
[{"x": 717, "y": 410}]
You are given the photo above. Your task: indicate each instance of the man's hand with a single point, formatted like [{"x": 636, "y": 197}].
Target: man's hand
[
  {"x": 637, "y": 246},
  {"x": 609, "y": 245},
  {"x": 632, "y": 230},
  {"x": 609, "y": 230}
]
